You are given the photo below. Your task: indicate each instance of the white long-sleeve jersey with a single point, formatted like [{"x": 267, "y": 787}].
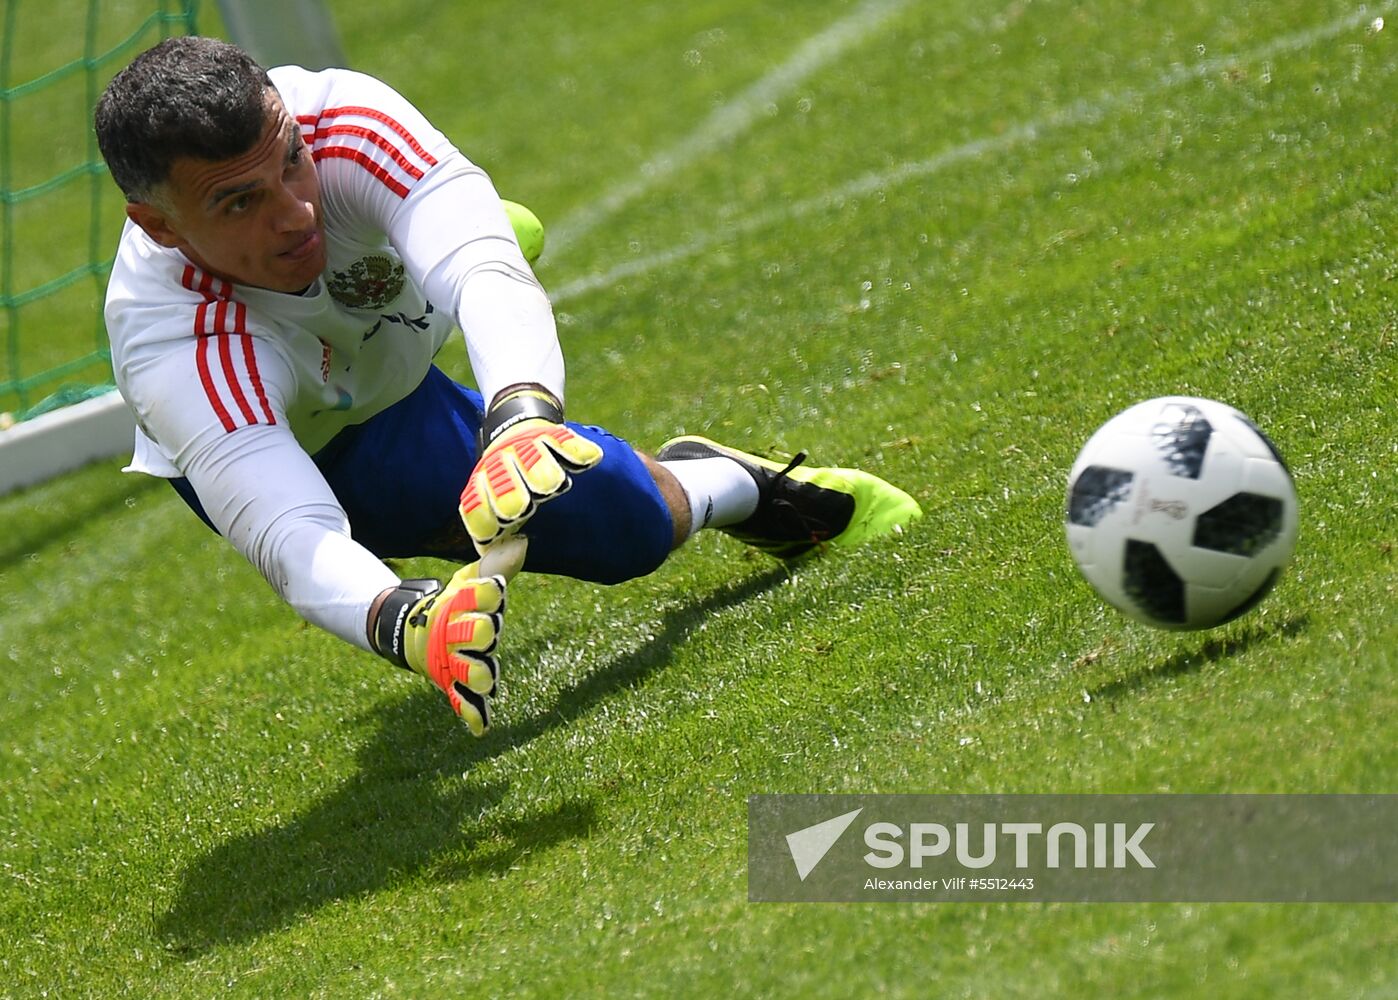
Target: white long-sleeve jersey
[{"x": 236, "y": 387}]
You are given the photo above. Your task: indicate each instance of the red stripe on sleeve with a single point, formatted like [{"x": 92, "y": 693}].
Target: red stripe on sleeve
[
  {"x": 379, "y": 116},
  {"x": 251, "y": 359},
  {"x": 363, "y": 159},
  {"x": 225, "y": 356},
  {"x": 211, "y": 390},
  {"x": 358, "y": 131},
  {"x": 227, "y": 318}
]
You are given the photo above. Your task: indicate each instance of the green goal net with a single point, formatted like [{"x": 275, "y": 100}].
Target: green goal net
[{"x": 60, "y": 214}]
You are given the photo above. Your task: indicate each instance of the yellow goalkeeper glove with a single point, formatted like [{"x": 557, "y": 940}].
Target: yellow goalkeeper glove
[
  {"x": 527, "y": 458},
  {"x": 447, "y": 634}
]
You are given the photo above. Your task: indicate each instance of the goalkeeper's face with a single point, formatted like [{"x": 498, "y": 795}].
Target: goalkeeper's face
[{"x": 253, "y": 219}]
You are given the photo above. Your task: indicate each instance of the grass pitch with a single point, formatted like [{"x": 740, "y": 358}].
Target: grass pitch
[{"x": 943, "y": 242}]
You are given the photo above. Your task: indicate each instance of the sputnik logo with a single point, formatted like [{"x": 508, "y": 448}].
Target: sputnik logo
[{"x": 810, "y": 845}]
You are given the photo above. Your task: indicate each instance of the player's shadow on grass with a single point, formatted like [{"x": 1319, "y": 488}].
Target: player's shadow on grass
[
  {"x": 626, "y": 670},
  {"x": 405, "y": 813},
  {"x": 1211, "y": 650}
]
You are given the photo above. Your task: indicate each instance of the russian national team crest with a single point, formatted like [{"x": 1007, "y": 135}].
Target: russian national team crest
[{"x": 369, "y": 283}]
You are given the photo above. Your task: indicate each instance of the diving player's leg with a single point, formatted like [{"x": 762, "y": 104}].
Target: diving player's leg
[
  {"x": 789, "y": 509},
  {"x": 399, "y": 477}
]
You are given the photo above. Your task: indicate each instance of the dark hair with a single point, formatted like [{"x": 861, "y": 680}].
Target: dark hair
[{"x": 195, "y": 97}]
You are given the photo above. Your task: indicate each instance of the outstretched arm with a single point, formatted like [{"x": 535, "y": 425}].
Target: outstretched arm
[{"x": 269, "y": 499}]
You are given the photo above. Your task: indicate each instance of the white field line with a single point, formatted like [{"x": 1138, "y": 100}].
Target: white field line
[
  {"x": 1078, "y": 113},
  {"x": 732, "y": 119}
]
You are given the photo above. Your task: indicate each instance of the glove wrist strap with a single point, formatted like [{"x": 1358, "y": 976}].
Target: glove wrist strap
[
  {"x": 519, "y": 403},
  {"x": 390, "y": 631}
]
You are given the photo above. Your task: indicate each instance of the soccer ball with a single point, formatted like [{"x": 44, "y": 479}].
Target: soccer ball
[{"x": 1181, "y": 513}]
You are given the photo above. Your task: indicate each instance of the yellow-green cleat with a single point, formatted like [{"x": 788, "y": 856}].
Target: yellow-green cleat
[
  {"x": 529, "y": 231},
  {"x": 800, "y": 508}
]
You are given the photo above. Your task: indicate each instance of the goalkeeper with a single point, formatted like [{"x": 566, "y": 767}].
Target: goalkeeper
[{"x": 298, "y": 247}]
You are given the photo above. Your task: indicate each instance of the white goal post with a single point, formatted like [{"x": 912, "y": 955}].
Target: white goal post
[
  {"x": 65, "y": 439},
  {"x": 277, "y": 32}
]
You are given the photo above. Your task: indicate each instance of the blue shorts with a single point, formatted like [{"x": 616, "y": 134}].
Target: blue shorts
[{"x": 399, "y": 476}]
